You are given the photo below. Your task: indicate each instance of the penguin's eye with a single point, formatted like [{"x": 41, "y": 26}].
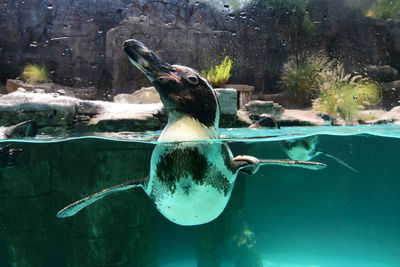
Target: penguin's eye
[{"x": 193, "y": 80}]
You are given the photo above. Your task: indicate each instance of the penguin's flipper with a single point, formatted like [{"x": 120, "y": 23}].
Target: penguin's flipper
[
  {"x": 243, "y": 163},
  {"x": 75, "y": 207},
  {"x": 338, "y": 160},
  {"x": 311, "y": 165}
]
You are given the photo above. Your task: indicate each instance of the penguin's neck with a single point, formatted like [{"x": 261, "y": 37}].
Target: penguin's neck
[{"x": 181, "y": 127}]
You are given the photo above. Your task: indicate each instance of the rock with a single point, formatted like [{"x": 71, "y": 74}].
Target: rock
[
  {"x": 146, "y": 95},
  {"x": 391, "y": 94},
  {"x": 78, "y": 46},
  {"x": 2, "y": 89},
  {"x": 372, "y": 116},
  {"x": 13, "y": 85},
  {"x": 182, "y": 44},
  {"x": 381, "y": 74},
  {"x": 259, "y": 107},
  {"x": 8, "y": 156},
  {"x": 61, "y": 91},
  {"x": 23, "y": 129},
  {"x": 49, "y": 87},
  {"x": 243, "y": 118},
  {"x": 244, "y": 93},
  {"x": 38, "y": 91},
  {"x": 45, "y": 109},
  {"x": 297, "y": 117},
  {"x": 227, "y": 98},
  {"x": 263, "y": 120},
  {"x": 392, "y": 116},
  {"x": 55, "y": 114},
  {"x": 128, "y": 117}
]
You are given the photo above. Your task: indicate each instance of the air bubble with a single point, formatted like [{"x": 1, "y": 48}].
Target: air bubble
[{"x": 49, "y": 6}]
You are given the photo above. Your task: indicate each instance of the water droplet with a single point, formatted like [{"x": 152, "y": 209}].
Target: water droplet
[
  {"x": 142, "y": 18},
  {"x": 168, "y": 22}
]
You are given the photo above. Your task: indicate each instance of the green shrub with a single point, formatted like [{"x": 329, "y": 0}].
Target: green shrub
[
  {"x": 34, "y": 73},
  {"x": 297, "y": 10},
  {"x": 383, "y": 9},
  {"x": 301, "y": 75},
  {"x": 343, "y": 96},
  {"x": 220, "y": 74}
]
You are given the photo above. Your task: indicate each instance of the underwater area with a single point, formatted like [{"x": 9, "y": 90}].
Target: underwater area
[
  {"x": 281, "y": 216},
  {"x": 208, "y": 133}
]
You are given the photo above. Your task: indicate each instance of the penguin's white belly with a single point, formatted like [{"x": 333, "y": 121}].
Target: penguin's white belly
[
  {"x": 190, "y": 183},
  {"x": 192, "y": 204},
  {"x": 300, "y": 153}
]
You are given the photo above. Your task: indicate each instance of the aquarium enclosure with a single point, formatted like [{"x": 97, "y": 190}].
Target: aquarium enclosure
[{"x": 209, "y": 133}]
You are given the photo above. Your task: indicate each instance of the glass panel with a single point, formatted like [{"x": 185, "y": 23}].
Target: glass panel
[{"x": 153, "y": 103}]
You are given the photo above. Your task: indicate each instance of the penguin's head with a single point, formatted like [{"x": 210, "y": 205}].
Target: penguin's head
[{"x": 182, "y": 90}]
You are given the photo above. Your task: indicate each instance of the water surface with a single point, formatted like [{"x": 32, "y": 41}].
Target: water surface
[{"x": 300, "y": 218}]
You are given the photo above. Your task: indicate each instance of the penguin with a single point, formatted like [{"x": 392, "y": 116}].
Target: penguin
[
  {"x": 306, "y": 148},
  {"x": 192, "y": 174}
]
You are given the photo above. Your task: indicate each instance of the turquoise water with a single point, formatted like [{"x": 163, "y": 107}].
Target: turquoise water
[
  {"x": 237, "y": 134},
  {"x": 299, "y": 218}
]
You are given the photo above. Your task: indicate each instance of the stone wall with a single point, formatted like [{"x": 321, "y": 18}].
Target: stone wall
[
  {"x": 119, "y": 230},
  {"x": 79, "y": 41}
]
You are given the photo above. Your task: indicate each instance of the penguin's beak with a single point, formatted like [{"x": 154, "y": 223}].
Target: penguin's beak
[{"x": 148, "y": 62}]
